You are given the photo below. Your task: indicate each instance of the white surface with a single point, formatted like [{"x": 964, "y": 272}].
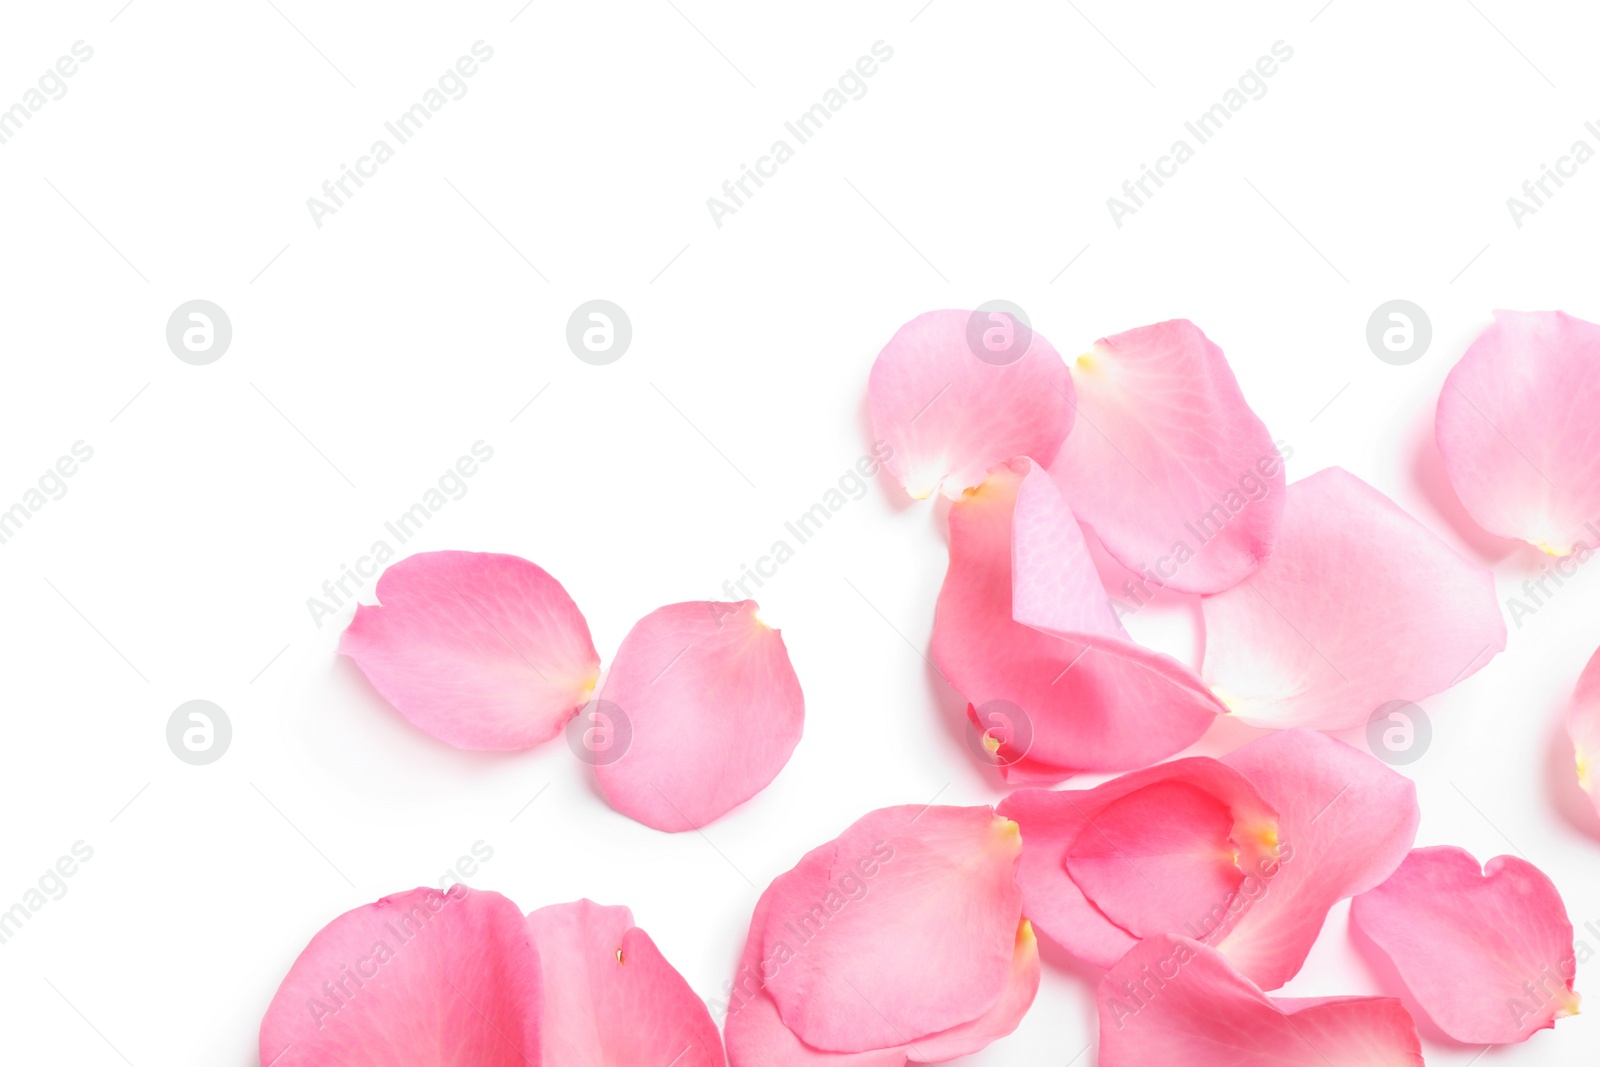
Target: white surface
[{"x": 406, "y": 329}]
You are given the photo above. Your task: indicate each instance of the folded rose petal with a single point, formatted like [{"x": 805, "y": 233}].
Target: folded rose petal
[
  {"x": 1247, "y": 854},
  {"x": 1177, "y": 476},
  {"x": 1023, "y": 622},
  {"x": 417, "y": 979},
  {"x": 611, "y": 999},
  {"x": 1359, "y": 605},
  {"x": 1583, "y": 726},
  {"x": 713, "y": 708},
  {"x": 477, "y": 649},
  {"x": 1173, "y": 848},
  {"x": 1515, "y": 427},
  {"x": 1174, "y": 1000},
  {"x": 1345, "y": 822},
  {"x": 1487, "y": 953},
  {"x": 951, "y": 406},
  {"x": 900, "y": 939}
]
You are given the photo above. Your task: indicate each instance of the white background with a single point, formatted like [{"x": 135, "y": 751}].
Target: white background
[{"x": 370, "y": 353}]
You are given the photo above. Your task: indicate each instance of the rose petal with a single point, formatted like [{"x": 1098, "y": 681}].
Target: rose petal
[
  {"x": 1142, "y": 894},
  {"x": 477, "y": 649},
  {"x": 923, "y": 943},
  {"x": 714, "y": 710},
  {"x": 1515, "y": 427},
  {"x": 1022, "y": 619},
  {"x": 1359, "y": 605},
  {"x": 611, "y": 999},
  {"x": 1583, "y": 726},
  {"x": 1168, "y": 464},
  {"x": 1487, "y": 953},
  {"x": 949, "y": 416},
  {"x": 444, "y": 977},
  {"x": 1173, "y": 1000},
  {"x": 1345, "y": 822}
]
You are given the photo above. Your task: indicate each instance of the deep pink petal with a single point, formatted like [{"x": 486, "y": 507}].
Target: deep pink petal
[
  {"x": 1022, "y": 619},
  {"x": 1583, "y": 726},
  {"x": 713, "y": 707},
  {"x": 417, "y": 979},
  {"x": 902, "y": 927},
  {"x": 1345, "y": 822},
  {"x": 477, "y": 649},
  {"x": 1488, "y": 953},
  {"x": 1125, "y": 864},
  {"x": 1176, "y": 1001},
  {"x": 949, "y": 416},
  {"x": 611, "y": 999},
  {"x": 1516, "y": 429},
  {"x": 1359, "y": 605},
  {"x": 1168, "y": 463}
]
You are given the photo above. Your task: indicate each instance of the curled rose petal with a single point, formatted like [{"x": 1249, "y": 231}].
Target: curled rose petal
[
  {"x": 1024, "y": 624},
  {"x": 1583, "y": 726},
  {"x": 1359, "y": 605},
  {"x": 477, "y": 649},
  {"x": 1515, "y": 427},
  {"x": 415, "y": 979},
  {"x": 1487, "y": 953},
  {"x": 1167, "y": 463},
  {"x": 1246, "y": 854},
  {"x": 1174, "y": 1000},
  {"x": 611, "y": 999},
  {"x": 949, "y": 414},
  {"x": 713, "y": 707},
  {"x": 901, "y": 939}
]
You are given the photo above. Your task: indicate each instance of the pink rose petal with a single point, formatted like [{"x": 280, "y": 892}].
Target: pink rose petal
[
  {"x": 1359, "y": 605},
  {"x": 903, "y": 927},
  {"x": 477, "y": 649},
  {"x": 1022, "y": 621},
  {"x": 1583, "y": 726},
  {"x": 1516, "y": 429},
  {"x": 949, "y": 415},
  {"x": 1175, "y": 1001},
  {"x": 1488, "y": 953},
  {"x": 714, "y": 710},
  {"x": 418, "y": 978},
  {"x": 611, "y": 999},
  {"x": 1167, "y": 463}
]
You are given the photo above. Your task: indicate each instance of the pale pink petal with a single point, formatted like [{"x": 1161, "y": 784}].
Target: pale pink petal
[
  {"x": 1001, "y": 1019},
  {"x": 417, "y": 979},
  {"x": 1359, "y": 605},
  {"x": 1583, "y": 726},
  {"x": 611, "y": 999},
  {"x": 1345, "y": 822},
  {"x": 1175, "y": 1001},
  {"x": 1487, "y": 953},
  {"x": 1022, "y": 619},
  {"x": 477, "y": 649},
  {"x": 948, "y": 415},
  {"x": 1167, "y": 463},
  {"x": 1141, "y": 878},
  {"x": 714, "y": 709},
  {"x": 902, "y": 927},
  {"x": 1517, "y": 432}
]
